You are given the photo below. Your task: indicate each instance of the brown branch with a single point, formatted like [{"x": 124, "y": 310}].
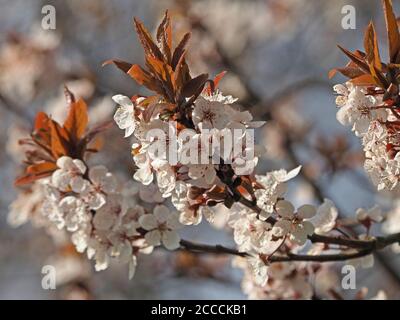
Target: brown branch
[
  {"x": 321, "y": 257},
  {"x": 205, "y": 248},
  {"x": 365, "y": 247}
]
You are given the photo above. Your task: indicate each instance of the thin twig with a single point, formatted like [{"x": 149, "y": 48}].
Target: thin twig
[{"x": 365, "y": 247}]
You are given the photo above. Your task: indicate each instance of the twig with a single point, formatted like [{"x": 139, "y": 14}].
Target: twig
[{"x": 365, "y": 247}]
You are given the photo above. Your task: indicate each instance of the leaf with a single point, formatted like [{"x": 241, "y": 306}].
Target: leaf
[
  {"x": 372, "y": 49},
  {"x": 356, "y": 59},
  {"x": 159, "y": 68},
  {"x": 392, "y": 30},
  {"x": 211, "y": 86},
  {"x": 218, "y": 78},
  {"x": 150, "y": 48},
  {"x": 179, "y": 73},
  {"x": 364, "y": 80},
  {"x": 41, "y": 167},
  {"x": 194, "y": 85},
  {"x": 179, "y": 50},
  {"x": 144, "y": 78},
  {"x": 122, "y": 65},
  {"x": 59, "y": 145},
  {"x": 164, "y": 73},
  {"x": 42, "y": 128},
  {"x": 164, "y": 36},
  {"x": 77, "y": 120},
  {"x": 29, "y": 178},
  {"x": 350, "y": 72}
]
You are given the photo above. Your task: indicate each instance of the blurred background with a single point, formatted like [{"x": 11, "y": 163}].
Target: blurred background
[{"x": 277, "y": 54}]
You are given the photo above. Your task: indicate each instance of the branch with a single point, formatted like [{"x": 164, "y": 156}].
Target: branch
[
  {"x": 205, "y": 248},
  {"x": 365, "y": 247}
]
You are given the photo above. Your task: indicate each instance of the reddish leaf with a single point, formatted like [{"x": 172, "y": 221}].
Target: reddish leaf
[
  {"x": 179, "y": 50},
  {"x": 41, "y": 167},
  {"x": 42, "y": 128},
  {"x": 195, "y": 85},
  {"x": 77, "y": 120},
  {"x": 164, "y": 36},
  {"x": 142, "y": 77},
  {"x": 29, "y": 178},
  {"x": 218, "y": 78},
  {"x": 122, "y": 65},
  {"x": 349, "y": 72},
  {"x": 372, "y": 49},
  {"x": 356, "y": 59},
  {"x": 211, "y": 86},
  {"x": 145, "y": 38},
  {"x": 392, "y": 30},
  {"x": 364, "y": 80},
  {"x": 58, "y": 140}
]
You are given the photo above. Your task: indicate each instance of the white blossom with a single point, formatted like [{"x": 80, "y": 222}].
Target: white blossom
[
  {"x": 161, "y": 226},
  {"x": 125, "y": 114}
]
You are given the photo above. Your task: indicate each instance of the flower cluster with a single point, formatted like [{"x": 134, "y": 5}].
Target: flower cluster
[
  {"x": 103, "y": 217},
  {"x": 190, "y": 116},
  {"x": 368, "y": 103},
  {"x": 375, "y": 124}
]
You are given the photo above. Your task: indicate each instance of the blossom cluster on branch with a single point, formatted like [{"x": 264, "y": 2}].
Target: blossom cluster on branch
[{"x": 279, "y": 245}]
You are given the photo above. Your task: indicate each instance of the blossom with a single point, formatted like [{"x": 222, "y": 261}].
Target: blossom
[
  {"x": 325, "y": 218},
  {"x": 358, "y": 111},
  {"x": 161, "y": 226},
  {"x": 251, "y": 233},
  {"x": 69, "y": 175},
  {"x": 144, "y": 174},
  {"x": 369, "y": 216},
  {"x": 108, "y": 214},
  {"x": 102, "y": 183},
  {"x": 274, "y": 187},
  {"x": 295, "y": 225},
  {"x": 74, "y": 211},
  {"x": 209, "y": 113},
  {"x": 166, "y": 178},
  {"x": 125, "y": 114}
]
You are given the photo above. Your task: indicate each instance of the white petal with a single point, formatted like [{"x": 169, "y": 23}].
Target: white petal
[
  {"x": 306, "y": 211},
  {"x": 281, "y": 228},
  {"x": 122, "y": 100},
  {"x": 173, "y": 222},
  {"x": 161, "y": 212},
  {"x": 153, "y": 238},
  {"x": 284, "y": 208},
  {"x": 78, "y": 184},
  {"x": 144, "y": 175},
  {"x": 65, "y": 162},
  {"x": 148, "y": 222},
  {"x": 79, "y": 165},
  {"x": 170, "y": 240}
]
